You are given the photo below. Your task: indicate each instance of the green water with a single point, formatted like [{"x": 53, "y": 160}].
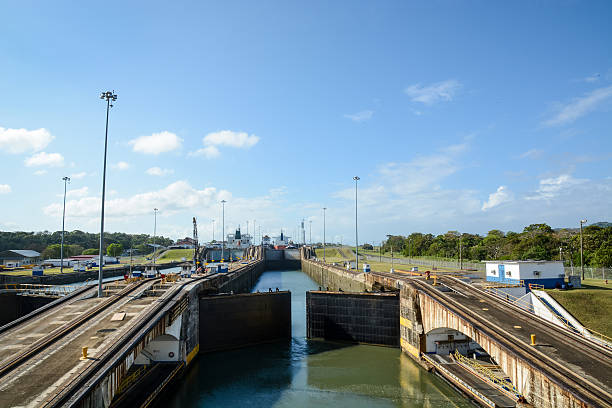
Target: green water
[{"x": 303, "y": 373}]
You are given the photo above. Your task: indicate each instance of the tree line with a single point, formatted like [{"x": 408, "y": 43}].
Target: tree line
[
  {"x": 78, "y": 242},
  {"x": 536, "y": 241}
]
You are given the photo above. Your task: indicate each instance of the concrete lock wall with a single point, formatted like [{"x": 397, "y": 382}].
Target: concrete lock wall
[
  {"x": 420, "y": 314},
  {"x": 334, "y": 278},
  {"x": 354, "y": 317},
  {"x": 231, "y": 321},
  {"x": 13, "y": 306}
]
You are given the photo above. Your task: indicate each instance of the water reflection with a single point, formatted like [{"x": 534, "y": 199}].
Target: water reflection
[{"x": 302, "y": 373}]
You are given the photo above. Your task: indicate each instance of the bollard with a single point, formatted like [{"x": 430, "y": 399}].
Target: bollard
[
  {"x": 533, "y": 340},
  {"x": 435, "y": 282},
  {"x": 84, "y": 351}
]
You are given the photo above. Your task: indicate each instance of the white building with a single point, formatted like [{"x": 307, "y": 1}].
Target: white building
[{"x": 546, "y": 273}]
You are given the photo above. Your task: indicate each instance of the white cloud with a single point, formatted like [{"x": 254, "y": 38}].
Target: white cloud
[
  {"x": 78, "y": 192},
  {"x": 554, "y": 186},
  {"x": 5, "y": 189},
  {"x": 532, "y": 154},
  {"x": 158, "y": 171},
  {"x": 579, "y": 107},
  {"x": 78, "y": 176},
  {"x": 437, "y": 92},
  {"x": 40, "y": 172},
  {"x": 360, "y": 116},
  {"x": 45, "y": 159},
  {"x": 156, "y": 143},
  {"x": 210, "y": 152},
  {"x": 592, "y": 78},
  {"x": 17, "y": 141},
  {"x": 231, "y": 139},
  {"x": 121, "y": 165},
  {"x": 501, "y": 196}
]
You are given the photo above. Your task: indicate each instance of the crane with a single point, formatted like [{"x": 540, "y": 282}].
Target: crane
[{"x": 195, "y": 245}]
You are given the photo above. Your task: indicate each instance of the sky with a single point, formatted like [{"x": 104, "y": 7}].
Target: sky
[{"x": 456, "y": 115}]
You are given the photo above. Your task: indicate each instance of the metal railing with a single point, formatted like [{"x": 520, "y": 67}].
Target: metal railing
[
  {"x": 34, "y": 289},
  {"x": 492, "y": 375}
]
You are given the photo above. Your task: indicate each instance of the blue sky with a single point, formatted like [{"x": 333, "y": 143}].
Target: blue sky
[{"x": 456, "y": 115}]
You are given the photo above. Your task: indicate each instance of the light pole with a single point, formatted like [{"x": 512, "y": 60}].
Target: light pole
[
  {"x": 310, "y": 239},
  {"x": 324, "y": 208},
  {"x": 356, "y": 178},
  {"x": 581, "y": 248},
  {"x": 213, "y": 225},
  {"x": 66, "y": 180},
  {"x": 223, "y": 231},
  {"x": 155, "y": 210},
  {"x": 109, "y": 96}
]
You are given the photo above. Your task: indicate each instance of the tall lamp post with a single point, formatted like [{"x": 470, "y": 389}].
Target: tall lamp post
[
  {"x": 223, "y": 231},
  {"x": 213, "y": 226},
  {"x": 66, "y": 180},
  {"x": 155, "y": 210},
  {"x": 581, "y": 248},
  {"x": 356, "y": 178},
  {"x": 310, "y": 238},
  {"x": 110, "y": 97},
  {"x": 324, "y": 208}
]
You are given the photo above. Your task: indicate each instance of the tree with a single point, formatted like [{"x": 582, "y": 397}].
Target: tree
[
  {"x": 52, "y": 252},
  {"x": 91, "y": 251},
  {"x": 367, "y": 247},
  {"x": 114, "y": 249}
]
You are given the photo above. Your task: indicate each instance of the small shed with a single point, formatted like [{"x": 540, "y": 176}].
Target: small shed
[
  {"x": 549, "y": 274},
  {"x": 19, "y": 257}
]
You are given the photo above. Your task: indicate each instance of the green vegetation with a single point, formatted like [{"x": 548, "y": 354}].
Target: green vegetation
[
  {"x": 175, "y": 255},
  {"x": 54, "y": 251},
  {"x": 39, "y": 241},
  {"x": 331, "y": 254},
  {"x": 591, "y": 305},
  {"x": 91, "y": 251},
  {"x": 537, "y": 241},
  {"x": 114, "y": 249}
]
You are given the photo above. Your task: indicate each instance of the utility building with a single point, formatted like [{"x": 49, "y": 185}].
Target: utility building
[
  {"x": 18, "y": 257},
  {"x": 546, "y": 273}
]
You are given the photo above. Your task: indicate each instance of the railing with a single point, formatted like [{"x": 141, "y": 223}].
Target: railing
[
  {"x": 131, "y": 379},
  {"x": 458, "y": 380},
  {"x": 535, "y": 286},
  {"x": 522, "y": 303},
  {"x": 586, "y": 332},
  {"x": 502, "y": 382},
  {"x": 38, "y": 289},
  {"x": 528, "y": 306}
]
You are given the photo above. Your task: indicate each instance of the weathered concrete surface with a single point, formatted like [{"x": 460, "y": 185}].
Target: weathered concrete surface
[
  {"x": 13, "y": 306},
  {"x": 334, "y": 278},
  {"x": 231, "y": 321},
  {"x": 371, "y": 318},
  {"x": 420, "y": 313}
]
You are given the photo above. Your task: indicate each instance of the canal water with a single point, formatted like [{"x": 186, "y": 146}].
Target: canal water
[{"x": 304, "y": 373}]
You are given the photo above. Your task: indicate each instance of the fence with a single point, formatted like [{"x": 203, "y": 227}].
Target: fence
[{"x": 589, "y": 273}]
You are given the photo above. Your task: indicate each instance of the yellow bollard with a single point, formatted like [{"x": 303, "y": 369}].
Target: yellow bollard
[
  {"x": 435, "y": 282},
  {"x": 533, "y": 340},
  {"x": 84, "y": 351}
]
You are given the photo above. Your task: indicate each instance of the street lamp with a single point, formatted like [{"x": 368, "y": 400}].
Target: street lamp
[
  {"x": 310, "y": 239},
  {"x": 155, "y": 210},
  {"x": 324, "y": 208},
  {"x": 356, "y": 178},
  {"x": 223, "y": 232},
  {"x": 109, "y": 96},
  {"x": 581, "y": 248},
  {"x": 66, "y": 180},
  {"x": 213, "y": 231}
]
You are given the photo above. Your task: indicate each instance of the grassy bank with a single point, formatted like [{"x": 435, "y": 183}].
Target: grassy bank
[{"x": 591, "y": 305}]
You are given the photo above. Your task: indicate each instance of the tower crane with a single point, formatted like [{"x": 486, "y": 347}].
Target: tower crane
[{"x": 196, "y": 248}]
